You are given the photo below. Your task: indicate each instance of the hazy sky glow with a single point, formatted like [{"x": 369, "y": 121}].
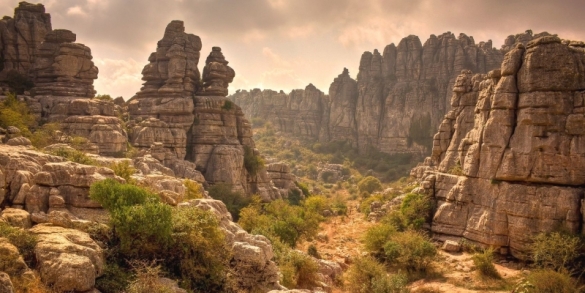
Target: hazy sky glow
[{"x": 286, "y": 44}]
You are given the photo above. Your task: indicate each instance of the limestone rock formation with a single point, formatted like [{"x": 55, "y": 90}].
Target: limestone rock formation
[
  {"x": 21, "y": 37},
  {"x": 516, "y": 135},
  {"x": 205, "y": 129},
  {"x": 216, "y": 75},
  {"x": 5, "y": 283},
  {"x": 396, "y": 104},
  {"x": 69, "y": 260},
  {"x": 11, "y": 261},
  {"x": 63, "y": 68}
]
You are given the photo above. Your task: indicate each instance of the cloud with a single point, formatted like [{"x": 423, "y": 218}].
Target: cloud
[{"x": 312, "y": 39}]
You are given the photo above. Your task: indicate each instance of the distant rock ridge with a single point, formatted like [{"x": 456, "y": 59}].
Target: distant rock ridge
[
  {"x": 397, "y": 102},
  {"x": 508, "y": 159}
]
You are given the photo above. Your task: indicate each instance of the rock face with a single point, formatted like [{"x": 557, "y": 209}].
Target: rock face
[
  {"x": 516, "y": 136},
  {"x": 21, "y": 37},
  {"x": 206, "y": 129},
  {"x": 63, "y": 68},
  {"x": 397, "y": 102},
  {"x": 69, "y": 260}
]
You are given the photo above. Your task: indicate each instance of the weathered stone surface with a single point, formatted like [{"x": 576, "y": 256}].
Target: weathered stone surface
[
  {"x": 216, "y": 75},
  {"x": 515, "y": 135},
  {"x": 105, "y": 132},
  {"x": 63, "y": 68},
  {"x": 19, "y": 141},
  {"x": 69, "y": 260},
  {"x": 5, "y": 283},
  {"x": 451, "y": 246},
  {"x": 16, "y": 218},
  {"x": 21, "y": 37},
  {"x": 279, "y": 173},
  {"x": 252, "y": 264},
  {"x": 11, "y": 261}
]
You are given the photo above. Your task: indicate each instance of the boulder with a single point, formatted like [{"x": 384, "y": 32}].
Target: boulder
[
  {"x": 11, "y": 262},
  {"x": 16, "y": 218},
  {"x": 68, "y": 260},
  {"x": 5, "y": 283}
]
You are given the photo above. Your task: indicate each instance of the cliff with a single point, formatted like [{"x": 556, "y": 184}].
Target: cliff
[
  {"x": 507, "y": 162},
  {"x": 397, "y": 102}
]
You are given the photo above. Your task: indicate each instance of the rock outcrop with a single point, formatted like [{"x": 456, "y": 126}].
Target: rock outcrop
[
  {"x": 397, "y": 102},
  {"x": 20, "y": 39},
  {"x": 513, "y": 141},
  {"x": 194, "y": 123}
]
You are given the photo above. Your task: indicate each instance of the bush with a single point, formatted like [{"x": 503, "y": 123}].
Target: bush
[
  {"x": 312, "y": 251},
  {"x": 227, "y": 105},
  {"x": 124, "y": 169},
  {"x": 547, "y": 281},
  {"x": 141, "y": 223},
  {"x": 370, "y": 184},
  {"x": 23, "y": 240},
  {"x": 377, "y": 236},
  {"x": 252, "y": 162},
  {"x": 234, "y": 201},
  {"x": 114, "y": 279},
  {"x": 199, "y": 254},
  {"x": 294, "y": 197},
  {"x": 104, "y": 97},
  {"x": 193, "y": 190},
  {"x": 365, "y": 205},
  {"x": 556, "y": 251},
  {"x": 148, "y": 279},
  {"x": 367, "y": 275},
  {"x": 411, "y": 250},
  {"x": 16, "y": 113},
  {"x": 416, "y": 209},
  {"x": 304, "y": 188},
  {"x": 298, "y": 270},
  {"x": 484, "y": 264},
  {"x": 326, "y": 175},
  {"x": 317, "y": 204},
  {"x": 46, "y": 135},
  {"x": 258, "y": 122},
  {"x": 73, "y": 156}
]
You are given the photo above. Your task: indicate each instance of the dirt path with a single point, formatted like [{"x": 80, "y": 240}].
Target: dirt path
[{"x": 340, "y": 241}]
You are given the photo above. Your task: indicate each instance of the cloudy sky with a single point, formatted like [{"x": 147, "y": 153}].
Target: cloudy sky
[{"x": 287, "y": 44}]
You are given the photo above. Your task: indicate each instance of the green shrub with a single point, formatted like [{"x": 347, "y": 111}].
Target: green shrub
[
  {"x": 326, "y": 176},
  {"x": 298, "y": 270},
  {"x": 124, "y": 169},
  {"x": 416, "y": 209},
  {"x": 548, "y": 281},
  {"x": 484, "y": 263},
  {"x": 143, "y": 230},
  {"x": 234, "y": 201},
  {"x": 193, "y": 190},
  {"x": 104, "y": 97},
  {"x": 312, "y": 251},
  {"x": 370, "y": 184},
  {"x": 294, "y": 197},
  {"x": 114, "y": 279},
  {"x": 304, "y": 188},
  {"x": 377, "y": 236},
  {"x": 16, "y": 113},
  {"x": 317, "y": 204},
  {"x": 113, "y": 195},
  {"x": 258, "y": 122},
  {"x": 73, "y": 156},
  {"x": 365, "y": 205},
  {"x": 367, "y": 275},
  {"x": 557, "y": 251},
  {"x": 456, "y": 170},
  {"x": 252, "y": 162},
  {"x": 199, "y": 254},
  {"x": 412, "y": 250},
  {"x": 23, "y": 240},
  {"x": 46, "y": 135}
]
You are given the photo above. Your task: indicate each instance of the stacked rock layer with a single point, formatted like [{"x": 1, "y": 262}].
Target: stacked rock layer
[
  {"x": 397, "y": 102},
  {"x": 516, "y": 135}
]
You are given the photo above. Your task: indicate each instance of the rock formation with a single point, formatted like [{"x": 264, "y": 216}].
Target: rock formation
[
  {"x": 194, "y": 123},
  {"x": 514, "y": 136},
  {"x": 21, "y": 37},
  {"x": 397, "y": 102}
]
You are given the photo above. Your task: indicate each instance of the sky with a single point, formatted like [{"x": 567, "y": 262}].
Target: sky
[{"x": 287, "y": 44}]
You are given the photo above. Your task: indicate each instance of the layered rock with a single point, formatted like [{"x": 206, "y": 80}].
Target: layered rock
[
  {"x": 193, "y": 123},
  {"x": 21, "y": 37},
  {"x": 398, "y": 100},
  {"x": 515, "y": 136},
  {"x": 63, "y": 68}
]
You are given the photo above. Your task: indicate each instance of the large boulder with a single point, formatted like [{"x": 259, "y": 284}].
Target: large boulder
[{"x": 68, "y": 260}]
